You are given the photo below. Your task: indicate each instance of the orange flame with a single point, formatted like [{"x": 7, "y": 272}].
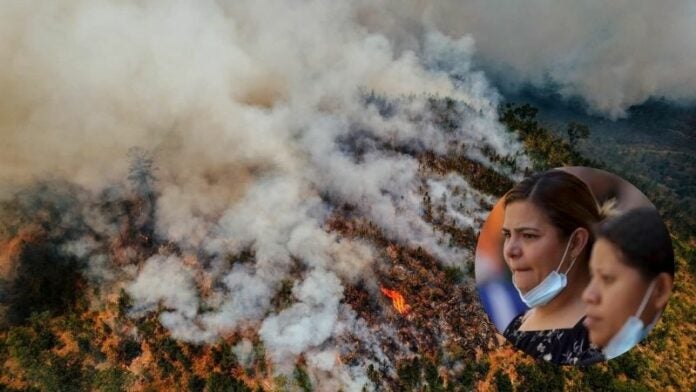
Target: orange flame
[{"x": 397, "y": 300}]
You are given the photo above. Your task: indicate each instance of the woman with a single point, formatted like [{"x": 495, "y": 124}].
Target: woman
[
  {"x": 548, "y": 237},
  {"x": 632, "y": 267}
]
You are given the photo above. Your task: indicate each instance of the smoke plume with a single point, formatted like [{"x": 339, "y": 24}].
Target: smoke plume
[
  {"x": 263, "y": 120},
  {"x": 612, "y": 54}
]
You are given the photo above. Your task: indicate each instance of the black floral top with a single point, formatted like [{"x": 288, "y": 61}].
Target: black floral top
[{"x": 563, "y": 346}]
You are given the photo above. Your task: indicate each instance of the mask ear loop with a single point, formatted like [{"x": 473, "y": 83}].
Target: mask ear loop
[
  {"x": 564, "y": 255},
  {"x": 644, "y": 302}
]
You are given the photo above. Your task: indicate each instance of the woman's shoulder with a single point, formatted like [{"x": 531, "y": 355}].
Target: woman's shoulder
[
  {"x": 514, "y": 324},
  {"x": 560, "y": 346}
]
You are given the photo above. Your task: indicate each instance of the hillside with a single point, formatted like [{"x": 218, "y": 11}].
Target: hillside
[
  {"x": 414, "y": 323},
  {"x": 655, "y": 147}
]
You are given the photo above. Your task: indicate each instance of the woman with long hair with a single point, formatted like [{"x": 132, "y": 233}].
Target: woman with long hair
[{"x": 548, "y": 237}]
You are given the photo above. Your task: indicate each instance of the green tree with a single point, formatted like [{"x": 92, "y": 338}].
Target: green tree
[
  {"x": 409, "y": 373},
  {"x": 224, "y": 357},
  {"x": 577, "y": 131},
  {"x": 219, "y": 382},
  {"x": 502, "y": 382},
  {"x": 302, "y": 379},
  {"x": 196, "y": 384},
  {"x": 128, "y": 350},
  {"x": 540, "y": 377}
]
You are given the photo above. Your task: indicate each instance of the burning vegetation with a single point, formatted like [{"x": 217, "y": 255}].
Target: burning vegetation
[
  {"x": 397, "y": 299},
  {"x": 92, "y": 285},
  {"x": 77, "y": 322}
]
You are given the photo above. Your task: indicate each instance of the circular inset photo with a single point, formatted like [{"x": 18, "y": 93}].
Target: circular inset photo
[{"x": 574, "y": 266}]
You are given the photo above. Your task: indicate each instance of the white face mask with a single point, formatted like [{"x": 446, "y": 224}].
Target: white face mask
[
  {"x": 551, "y": 286},
  {"x": 631, "y": 332}
]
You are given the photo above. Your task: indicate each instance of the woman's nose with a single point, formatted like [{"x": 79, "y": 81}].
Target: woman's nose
[
  {"x": 511, "y": 249},
  {"x": 590, "y": 295}
]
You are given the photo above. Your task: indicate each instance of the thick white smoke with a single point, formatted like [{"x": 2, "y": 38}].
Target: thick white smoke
[
  {"x": 612, "y": 54},
  {"x": 454, "y": 199},
  {"x": 263, "y": 116}
]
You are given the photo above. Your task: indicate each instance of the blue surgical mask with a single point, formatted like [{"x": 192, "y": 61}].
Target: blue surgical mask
[
  {"x": 632, "y": 332},
  {"x": 550, "y": 287}
]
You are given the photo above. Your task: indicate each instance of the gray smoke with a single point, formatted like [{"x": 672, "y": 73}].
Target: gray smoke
[
  {"x": 612, "y": 54},
  {"x": 260, "y": 121}
]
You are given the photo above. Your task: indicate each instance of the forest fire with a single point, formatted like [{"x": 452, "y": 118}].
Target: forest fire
[
  {"x": 397, "y": 300},
  {"x": 10, "y": 249},
  {"x": 204, "y": 314},
  {"x": 251, "y": 263}
]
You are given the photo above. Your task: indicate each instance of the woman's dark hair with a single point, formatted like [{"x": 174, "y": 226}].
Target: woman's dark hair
[
  {"x": 565, "y": 199},
  {"x": 644, "y": 240}
]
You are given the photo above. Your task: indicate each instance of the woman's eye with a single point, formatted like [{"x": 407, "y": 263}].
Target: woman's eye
[
  {"x": 606, "y": 279},
  {"x": 528, "y": 235},
  {"x": 506, "y": 234}
]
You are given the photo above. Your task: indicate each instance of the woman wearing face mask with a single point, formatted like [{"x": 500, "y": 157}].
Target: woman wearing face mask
[
  {"x": 548, "y": 237},
  {"x": 632, "y": 267}
]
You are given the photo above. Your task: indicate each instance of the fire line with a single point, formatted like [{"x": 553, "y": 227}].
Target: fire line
[{"x": 398, "y": 300}]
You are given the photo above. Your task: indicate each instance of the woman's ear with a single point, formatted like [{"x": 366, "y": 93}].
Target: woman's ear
[
  {"x": 579, "y": 241},
  {"x": 663, "y": 289}
]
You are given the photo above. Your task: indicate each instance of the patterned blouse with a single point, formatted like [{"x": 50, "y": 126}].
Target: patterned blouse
[{"x": 563, "y": 346}]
